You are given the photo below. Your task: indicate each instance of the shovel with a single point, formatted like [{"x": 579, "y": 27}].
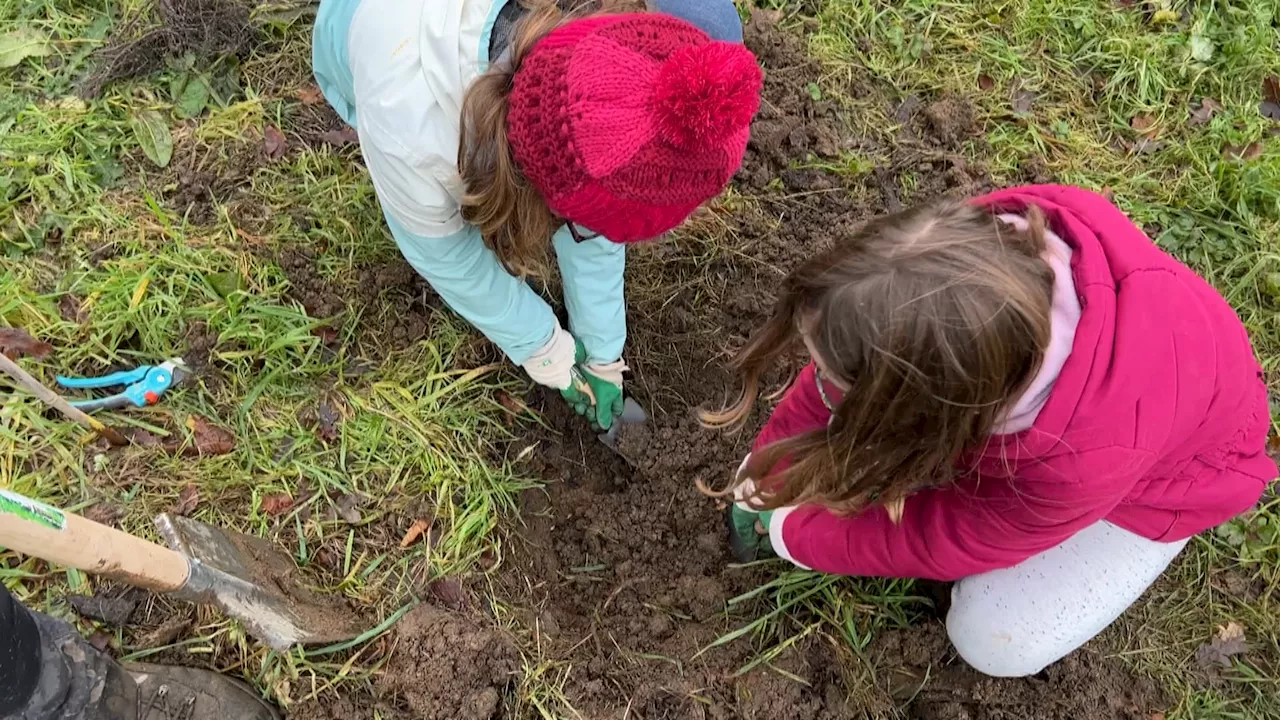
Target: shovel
[
  {"x": 247, "y": 577},
  {"x": 632, "y": 414}
]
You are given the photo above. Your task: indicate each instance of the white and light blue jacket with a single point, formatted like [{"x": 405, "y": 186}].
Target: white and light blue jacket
[{"x": 397, "y": 71}]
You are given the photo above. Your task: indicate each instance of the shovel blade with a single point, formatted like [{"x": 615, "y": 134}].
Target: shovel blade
[
  {"x": 632, "y": 414},
  {"x": 255, "y": 582}
]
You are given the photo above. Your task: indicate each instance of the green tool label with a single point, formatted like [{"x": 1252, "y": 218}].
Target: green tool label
[{"x": 33, "y": 510}]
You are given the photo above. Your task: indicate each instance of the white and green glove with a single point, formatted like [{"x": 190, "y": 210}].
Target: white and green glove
[
  {"x": 593, "y": 390},
  {"x": 748, "y": 527}
]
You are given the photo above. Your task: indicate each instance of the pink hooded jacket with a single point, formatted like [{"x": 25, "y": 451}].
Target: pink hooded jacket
[{"x": 1156, "y": 423}]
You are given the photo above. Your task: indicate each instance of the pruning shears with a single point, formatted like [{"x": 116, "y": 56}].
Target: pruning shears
[{"x": 143, "y": 385}]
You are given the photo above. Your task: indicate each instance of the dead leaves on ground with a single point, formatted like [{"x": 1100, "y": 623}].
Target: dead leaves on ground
[
  {"x": 1270, "y": 106},
  {"x": 1203, "y": 114},
  {"x": 325, "y": 419},
  {"x": 1142, "y": 122},
  {"x": 1226, "y": 644},
  {"x": 17, "y": 343},
  {"x": 188, "y": 500},
  {"x": 338, "y": 138},
  {"x": 415, "y": 531},
  {"x": 207, "y": 439},
  {"x": 309, "y": 95},
  {"x": 277, "y": 504},
  {"x": 274, "y": 142},
  {"x": 1243, "y": 152}
]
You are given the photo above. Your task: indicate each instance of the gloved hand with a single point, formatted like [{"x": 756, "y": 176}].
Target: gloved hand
[
  {"x": 748, "y": 532},
  {"x": 595, "y": 391},
  {"x": 748, "y": 527}
]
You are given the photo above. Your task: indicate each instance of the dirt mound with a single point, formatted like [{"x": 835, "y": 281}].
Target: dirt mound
[{"x": 448, "y": 667}]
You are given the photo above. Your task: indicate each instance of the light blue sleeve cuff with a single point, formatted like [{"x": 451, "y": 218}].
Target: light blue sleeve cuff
[
  {"x": 466, "y": 273},
  {"x": 592, "y": 274}
]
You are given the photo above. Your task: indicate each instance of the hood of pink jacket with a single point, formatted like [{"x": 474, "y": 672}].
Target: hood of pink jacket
[{"x": 1160, "y": 365}]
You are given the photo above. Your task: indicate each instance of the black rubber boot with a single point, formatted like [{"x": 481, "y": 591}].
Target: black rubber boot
[{"x": 79, "y": 683}]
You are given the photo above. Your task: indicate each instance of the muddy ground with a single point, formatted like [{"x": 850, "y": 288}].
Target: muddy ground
[{"x": 620, "y": 574}]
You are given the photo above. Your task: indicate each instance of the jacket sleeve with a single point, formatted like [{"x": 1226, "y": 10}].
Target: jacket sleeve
[
  {"x": 975, "y": 525},
  {"x": 466, "y": 273},
  {"x": 592, "y": 273}
]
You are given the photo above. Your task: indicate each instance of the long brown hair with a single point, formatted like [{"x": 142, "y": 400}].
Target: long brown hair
[
  {"x": 934, "y": 318},
  {"x": 512, "y": 216}
]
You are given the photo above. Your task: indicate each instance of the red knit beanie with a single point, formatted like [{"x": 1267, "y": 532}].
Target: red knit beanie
[{"x": 627, "y": 123}]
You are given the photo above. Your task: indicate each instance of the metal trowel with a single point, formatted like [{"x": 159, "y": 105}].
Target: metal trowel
[{"x": 632, "y": 414}]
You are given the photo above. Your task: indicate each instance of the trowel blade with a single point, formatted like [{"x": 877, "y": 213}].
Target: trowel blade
[{"x": 632, "y": 414}]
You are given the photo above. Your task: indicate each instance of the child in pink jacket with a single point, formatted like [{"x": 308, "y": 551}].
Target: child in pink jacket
[{"x": 1022, "y": 394}]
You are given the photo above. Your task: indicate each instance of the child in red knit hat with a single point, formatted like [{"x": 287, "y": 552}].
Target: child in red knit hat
[{"x": 496, "y": 133}]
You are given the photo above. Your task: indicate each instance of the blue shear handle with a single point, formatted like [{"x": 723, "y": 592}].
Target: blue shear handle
[
  {"x": 124, "y": 377},
  {"x": 107, "y": 403}
]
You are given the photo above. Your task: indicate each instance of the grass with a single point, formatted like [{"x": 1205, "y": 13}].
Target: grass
[{"x": 92, "y": 262}]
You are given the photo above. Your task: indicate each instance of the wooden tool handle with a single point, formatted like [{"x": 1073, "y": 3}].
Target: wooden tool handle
[
  {"x": 36, "y": 529},
  {"x": 53, "y": 399}
]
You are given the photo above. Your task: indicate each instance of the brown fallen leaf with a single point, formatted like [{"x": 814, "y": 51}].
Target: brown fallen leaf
[
  {"x": 1270, "y": 105},
  {"x": 273, "y": 142},
  {"x": 986, "y": 82},
  {"x": 338, "y": 138},
  {"x": 1146, "y": 145},
  {"x": 100, "y": 641},
  {"x": 325, "y": 419},
  {"x": 207, "y": 439},
  {"x": 449, "y": 592},
  {"x": 512, "y": 407},
  {"x": 71, "y": 309},
  {"x": 277, "y": 504},
  {"x": 328, "y": 336},
  {"x": 143, "y": 438},
  {"x": 1142, "y": 122},
  {"x": 165, "y": 633},
  {"x": 348, "y": 510},
  {"x": 17, "y": 343},
  {"x": 1248, "y": 152},
  {"x": 103, "y": 514},
  {"x": 414, "y": 532},
  {"x": 1273, "y": 447},
  {"x": 1022, "y": 99},
  {"x": 309, "y": 95},
  {"x": 1227, "y": 643},
  {"x": 188, "y": 500},
  {"x": 1203, "y": 114}
]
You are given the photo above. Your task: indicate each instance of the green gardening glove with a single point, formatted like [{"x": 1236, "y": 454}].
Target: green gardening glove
[
  {"x": 597, "y": 398},
  {"x": 744, "y": 537}
]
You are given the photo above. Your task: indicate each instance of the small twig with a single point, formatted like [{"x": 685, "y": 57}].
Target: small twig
[{"x": 24, "y": 379}]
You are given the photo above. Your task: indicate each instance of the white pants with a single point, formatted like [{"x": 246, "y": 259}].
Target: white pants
[{"x": 1016, "y": 621}]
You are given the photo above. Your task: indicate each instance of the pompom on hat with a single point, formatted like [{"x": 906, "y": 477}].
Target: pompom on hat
[{"x": 627, "y": 123}]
